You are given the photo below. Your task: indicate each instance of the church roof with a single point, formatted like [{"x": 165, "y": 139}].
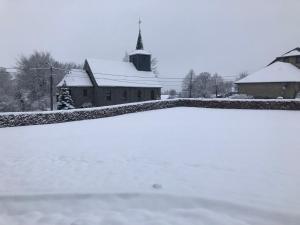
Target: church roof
[
  {"x": 293, "y": 52},
  {"x": 121, "y": 74},
  {"x": 76, "y": 78},
  {"x": 274, "y": 73},
  {"x": 106, "y": 73}
]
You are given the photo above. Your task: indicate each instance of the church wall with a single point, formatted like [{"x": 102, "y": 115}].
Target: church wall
[
  {"x": 119, "y": 97},
  {"x": 89, "y": 96},
  {"x": 82, "y": 96}
]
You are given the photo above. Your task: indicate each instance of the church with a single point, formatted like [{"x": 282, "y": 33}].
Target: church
[{"x": 105, "y": 82}]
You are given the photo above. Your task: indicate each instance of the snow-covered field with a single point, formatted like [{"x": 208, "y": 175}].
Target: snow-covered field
[{"x": 172, "y": 166}]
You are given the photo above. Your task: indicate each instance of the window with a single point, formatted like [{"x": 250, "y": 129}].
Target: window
[
  {"x": 139, "y": 94},
  {"x": 85, "y": 92},
  {"x": 125, "y": 95},
  {"x": 108, "y": 95},
  {"x": 152, "y": 95},
  {"x": 298, "y": 59}
]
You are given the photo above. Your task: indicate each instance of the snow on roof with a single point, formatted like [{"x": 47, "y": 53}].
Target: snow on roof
[
  {"x": 276, "y": 72},
  {"x": 141, "y": 52},
  {"x": 76, "y": 78},
  {"x": 121, "y": 74},
  {"x": 295, "y": 52}
]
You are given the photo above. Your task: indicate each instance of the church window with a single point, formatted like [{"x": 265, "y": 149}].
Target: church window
[
  {"x": 139, "y": 94},
  {"x": 125, "y": 95},
  {"x": 108, "y": 95},
  {"x": 85, "y": 92},
  {"x": 152, "y": 95}
]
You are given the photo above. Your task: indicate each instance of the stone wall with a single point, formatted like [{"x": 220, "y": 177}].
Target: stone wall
[{"x": 38, "y": 118}]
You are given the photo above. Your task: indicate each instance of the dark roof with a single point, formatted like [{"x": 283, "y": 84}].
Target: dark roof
[
  {"x": 295, "y": 49},
  {"x": 139, "y": 44},
  {"x": 285, "y": 55}
]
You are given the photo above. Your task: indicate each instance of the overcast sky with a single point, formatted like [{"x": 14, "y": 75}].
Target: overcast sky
[{"x": 224, "y": 36}]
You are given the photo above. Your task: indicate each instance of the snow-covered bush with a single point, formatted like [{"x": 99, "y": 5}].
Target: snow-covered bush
[{"x": 87, "y": 105}]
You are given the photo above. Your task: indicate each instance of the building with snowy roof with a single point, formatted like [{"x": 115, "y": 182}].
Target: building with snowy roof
[
  {"x": 281, "y": 78},
  {"x": 105, "y": 82}
]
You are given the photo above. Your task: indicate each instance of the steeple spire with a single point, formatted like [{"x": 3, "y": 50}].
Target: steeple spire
[
  {"x": 140, "y": 58},
  {"x": 139, "y": 44}
]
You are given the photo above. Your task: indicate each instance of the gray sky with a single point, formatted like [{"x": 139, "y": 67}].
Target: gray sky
[{"x": 224, "y": 36}]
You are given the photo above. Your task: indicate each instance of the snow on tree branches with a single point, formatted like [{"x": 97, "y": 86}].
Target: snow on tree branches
[{"x": 65, "y": 101}]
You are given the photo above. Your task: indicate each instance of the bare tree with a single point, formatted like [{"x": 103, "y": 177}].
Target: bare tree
[
  {"x": 5, "y": 80},
  {"x": 126, "y": 57},
  {"x": 33, "y": 78},
  {"x": 205, "y": 85},
  {"x": 7, "y": 98},
  {"x": 188, "y": 85},
  {"x": 242, "y": 75},
  {"x": 154, "y": 66}
]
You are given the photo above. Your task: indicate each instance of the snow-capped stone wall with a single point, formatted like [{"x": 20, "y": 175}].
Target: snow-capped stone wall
[{"x": 38, "y": 118}]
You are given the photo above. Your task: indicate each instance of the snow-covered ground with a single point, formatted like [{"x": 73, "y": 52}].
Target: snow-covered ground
[
  {"x": 164, "y": 97},
  {"x": 172, "y": 166}
]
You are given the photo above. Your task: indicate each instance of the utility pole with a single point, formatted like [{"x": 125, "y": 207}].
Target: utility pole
[
  {"x": 191, "y": 85},
  {"x": 51, "y": 88}
]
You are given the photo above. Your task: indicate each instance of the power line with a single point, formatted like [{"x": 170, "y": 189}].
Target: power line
[
  {"x": 159, "y": 78},
  {"x": 145, "y": 79},
  {"x": 141, "y": 80},
  {"x": 167, "y": 76}
]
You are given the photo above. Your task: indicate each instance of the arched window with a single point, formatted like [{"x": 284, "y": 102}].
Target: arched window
[{"x": 152, "y": 95}]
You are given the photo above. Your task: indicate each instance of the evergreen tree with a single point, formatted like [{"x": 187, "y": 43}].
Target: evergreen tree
[{"x": 65, "y": 101}]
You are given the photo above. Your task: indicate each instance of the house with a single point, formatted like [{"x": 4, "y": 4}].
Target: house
[
  {"x": 105, "y": 82},
  {"x": 281, "y": 78}
]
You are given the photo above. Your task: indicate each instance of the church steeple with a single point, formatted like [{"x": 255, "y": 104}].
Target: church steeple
[
  {"x": 139, "y": 44},
  {"x": 140, "y": 58}
]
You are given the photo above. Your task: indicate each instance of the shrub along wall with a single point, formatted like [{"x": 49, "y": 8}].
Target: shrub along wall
[{"x": 38, "y": 118}]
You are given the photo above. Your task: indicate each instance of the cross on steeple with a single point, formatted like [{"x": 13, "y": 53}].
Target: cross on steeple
[
  {"x": 140, "y": 22},
  {"x": 139, "y": 44}
]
